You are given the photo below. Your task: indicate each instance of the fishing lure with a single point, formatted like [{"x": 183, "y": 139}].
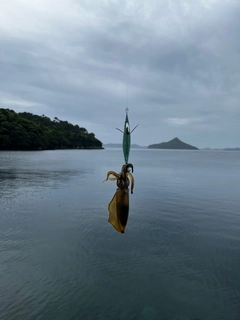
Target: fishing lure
[
  {"x": 126, "y": 137},
  {"x": 119, "y": 205}
]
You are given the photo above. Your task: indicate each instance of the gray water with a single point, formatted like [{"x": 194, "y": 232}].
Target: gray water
[{"x": 179, "y": 258}]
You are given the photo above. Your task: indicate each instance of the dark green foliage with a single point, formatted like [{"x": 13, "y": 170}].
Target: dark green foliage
[
  {"x": 173, "y": 144},
  {"x": 26, "y": 131}
]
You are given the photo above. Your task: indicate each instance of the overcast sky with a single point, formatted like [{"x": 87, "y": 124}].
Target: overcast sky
[{"x": 174, "y": 63}]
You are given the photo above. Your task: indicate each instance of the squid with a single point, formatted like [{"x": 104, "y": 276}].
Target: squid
[{"x": 119, "y": 205}]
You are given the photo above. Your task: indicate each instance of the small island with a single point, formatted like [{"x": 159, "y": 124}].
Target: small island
[
  {"x": 173, "y": 144},
  {"x": 26, "y": 131}
]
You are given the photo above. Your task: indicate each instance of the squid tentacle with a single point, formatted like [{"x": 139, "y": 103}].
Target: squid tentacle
[
  {"x": 129, "y": 165},
  {"x": 132, "y": 181},
  {"x": 116, "y": 175}
]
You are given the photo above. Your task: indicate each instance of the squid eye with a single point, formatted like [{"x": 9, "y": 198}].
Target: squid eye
[{"x": 127, "y": 128}]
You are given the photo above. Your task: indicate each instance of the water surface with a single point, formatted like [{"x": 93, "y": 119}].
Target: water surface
[{"x": 179, "y": 258}]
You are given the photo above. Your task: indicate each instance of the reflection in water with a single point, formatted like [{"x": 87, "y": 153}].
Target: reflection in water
[
  {"x": 11, "y": 182},
  {"x": 26, "y": 171},
  {"x": 36, "y": 177}
]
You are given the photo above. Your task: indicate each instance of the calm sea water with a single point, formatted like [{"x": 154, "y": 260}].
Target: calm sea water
[{"x": 179, "y": 258}]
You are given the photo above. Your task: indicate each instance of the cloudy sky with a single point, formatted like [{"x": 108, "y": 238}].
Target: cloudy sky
[{"x": 174, "y": 63}]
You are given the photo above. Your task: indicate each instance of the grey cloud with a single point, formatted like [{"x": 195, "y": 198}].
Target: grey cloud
[{"x": 163, "y": 62}]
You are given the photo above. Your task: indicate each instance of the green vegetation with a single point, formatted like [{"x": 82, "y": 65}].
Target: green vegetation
[
  {"x": 25, "y": 131},
  {"x": 173, "y": 144}
]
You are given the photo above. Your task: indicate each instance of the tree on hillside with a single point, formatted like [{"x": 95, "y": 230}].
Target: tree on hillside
[{"x": 26, "y": 131}]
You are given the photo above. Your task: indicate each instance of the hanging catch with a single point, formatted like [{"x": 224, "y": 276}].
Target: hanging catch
[{"x": 119, "y": 205}]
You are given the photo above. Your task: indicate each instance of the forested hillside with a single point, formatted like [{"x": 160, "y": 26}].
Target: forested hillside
[{"x": 26, "y": 131}]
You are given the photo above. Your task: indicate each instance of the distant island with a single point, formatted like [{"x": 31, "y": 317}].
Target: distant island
[
  {"x": 232, "y": 149},
  {"x": 221, "y": 149},
  {"x": 172, "y": 144},
  {"x": 119, "y": 145},
  {"x": 26, "y": 131}
]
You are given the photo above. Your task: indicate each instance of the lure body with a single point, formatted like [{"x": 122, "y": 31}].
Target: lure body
[
  {"x": 126, "y": 144},
  {"x": 126, "y": 139}
]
